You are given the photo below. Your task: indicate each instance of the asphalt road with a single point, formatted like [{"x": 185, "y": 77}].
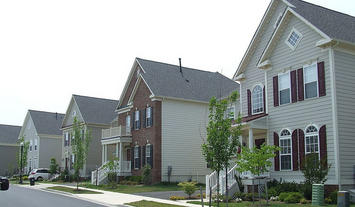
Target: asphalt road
[{"x": 18, "y": 196}]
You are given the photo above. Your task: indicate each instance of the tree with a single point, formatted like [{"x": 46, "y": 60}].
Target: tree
[
  {"x": 188, "y": 187},
  {"x": 80, "y": 148},
  {"x": 22, "y": 157},
  {"x": 315, "y": 170},
  {"x": 222, "y": 140},
  {"x": 53, "y": 167},
  {"x": 147, "y": 175},
  {"x": 112, "y": 167}
]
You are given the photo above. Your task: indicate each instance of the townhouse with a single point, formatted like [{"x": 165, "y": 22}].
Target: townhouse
[
  {"x": 9, "y": 149},
  {"x": 162, "y": 119},
  {"x": 94, "y": 114},
  {"x": 42, "y": 130},
  {"x": 297, "y": 82}
]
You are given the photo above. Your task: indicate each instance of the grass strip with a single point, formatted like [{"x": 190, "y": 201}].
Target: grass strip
[
  {"x": 144, "y": 203},
  {"x": 73, "y": 190}
]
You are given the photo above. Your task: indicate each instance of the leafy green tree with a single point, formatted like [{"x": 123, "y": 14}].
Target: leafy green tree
[
  {"x": 53, "y": 167},
  {"x": 222, "y": 139},
  {"x": 80, "y": 148},
  {"x": 112, "y": 167},
  {"x": 315, "y": 170},
  {"x": 147, "y": 175},
  {"x": 26, "y": 146},
  {"x": 188, "y": 187}
]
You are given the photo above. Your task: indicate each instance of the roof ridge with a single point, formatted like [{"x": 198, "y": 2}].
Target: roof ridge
[
  {"x": 176, "y": 65},
  {"x": 94, "y": 97},
  {"x": 324, "y": 8},
  {"x": 49, "y": 112},
  {"x": 9, "y": 125}
]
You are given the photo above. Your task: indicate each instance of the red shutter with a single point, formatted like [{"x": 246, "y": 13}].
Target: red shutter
[
  {"x": 276, "y": 90},
  {"x": 302, "y": 149},
  {"x": 277, "y": 156},
  {"x": 321, "y": 79},
  {"x": 264, "y": 99},
  {"x": 293, "y": 87},
  {"x": 295, "y": 150},
  {"x": 249, "y": 102},
  {"x": 300, "y": 85},
  {"x": 323, "y": 142}
]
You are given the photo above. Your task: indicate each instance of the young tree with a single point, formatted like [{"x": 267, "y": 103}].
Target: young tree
[
  {"x": 22, "y": 154},
  {"x": 315, "y": 170},
  {"x": 80, "y": 148},
  {"x": 222, "y": 140},
  {"x": 53, "y": 167},
  {"x": 112, "y": 166}
]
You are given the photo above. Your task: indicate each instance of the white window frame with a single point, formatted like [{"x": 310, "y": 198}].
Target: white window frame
[
  {"x": 304, "y": 80},
  {"x": 66, "y": 140},
  {"x": 147, "y": 119},
  {"x": 252, "y": 101},
  {"x": 128, "y": 124},
  {"x": 285, "y": 138},
  {"x": 309, "y": 134},
  {"x": 136, "y": 155},
  {"x": 300, "y": 36},
  {"x": 147, "y": 152},
  {"x": 35, "y": 145},
  {"x": 279, "y": 90},
  {"x": 136, "y": 119},
  {"x": 31, "y": 143}
]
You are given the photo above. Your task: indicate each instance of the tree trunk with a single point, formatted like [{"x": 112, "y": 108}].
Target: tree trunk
[
  {"x": 227, "y": 195},
  {"x": 217, "y": 188}
]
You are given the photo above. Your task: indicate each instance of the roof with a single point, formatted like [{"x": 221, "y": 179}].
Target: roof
[
  {"x": 336, "y": 25},
  {"x": 166, "y": 80},
  {"x": 9, "y": 134},
  {"x": 47, "y": 122},
  {"x": 96, "y": 110}
]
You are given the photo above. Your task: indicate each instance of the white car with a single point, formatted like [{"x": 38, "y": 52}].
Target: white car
[{"x": 39, "y": 174}]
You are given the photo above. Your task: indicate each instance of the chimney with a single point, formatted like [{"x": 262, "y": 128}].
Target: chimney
[{"x": 180, "y": 65}]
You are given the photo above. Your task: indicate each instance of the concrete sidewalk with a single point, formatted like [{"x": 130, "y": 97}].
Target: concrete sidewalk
[{"x": 109, "y": 198}]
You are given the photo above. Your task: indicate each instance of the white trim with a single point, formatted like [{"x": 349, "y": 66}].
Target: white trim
[
  {"x": 300, "y": 36},
  {"x": 278, "y": 20},
  {"x": 134, "y": 66},
  {"x": 334, "y": 116},
  {"x": 278, "y": 82},
  {"x": 290, "y": 138},
  {"x": 311, "y": 134},
  {"x": 266, "y": 93},
  {"x": 304, "y": 82},
  {"x": 125, "y": 109},
  {"x": 262, "y": 92}
]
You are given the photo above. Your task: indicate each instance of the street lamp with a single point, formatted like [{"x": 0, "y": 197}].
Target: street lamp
[{"x": 21, "y": 157}]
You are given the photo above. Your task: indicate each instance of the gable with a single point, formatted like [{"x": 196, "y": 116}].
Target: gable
[
  {"x": 131, "y": 82},
  {"x": 28, "y": 129},
  {"x": 72, "y": 109}
]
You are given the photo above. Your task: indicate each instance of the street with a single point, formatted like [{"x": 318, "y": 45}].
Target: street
[{"x": 18, "y": 196}]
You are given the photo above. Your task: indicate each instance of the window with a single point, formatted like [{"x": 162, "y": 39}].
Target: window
[
  {"x": 30, "y": 145},
  {"x": 36, "y": 144},
  {"x": 285, "y": 150},
  {"x": 257, "y": 99},
  {"x": 136, "y": 157},
  {"x": 128, "y": 124},
  {"x": 147, "y": 151},
  {"x": 136, "y": 119},
  {"x": 74, "y": 113},
  {"x": 312, "y": 140},
  {"x": 285, "y": 88},
  {"x": 293, "y": 39},
  {"x": 148, "y": 115},
  {"x": 66, "y": 141},
  {"x": 310, "y": 75}
]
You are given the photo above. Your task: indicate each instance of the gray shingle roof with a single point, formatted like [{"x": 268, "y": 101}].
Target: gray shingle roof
[
  {"x": 167, "y": 81},
  {"x": 9, "y": 134},
  {"x": 47, "y": 122},
  {"x": 336, "y": 25},
  {"x": 96, "y": 110}
]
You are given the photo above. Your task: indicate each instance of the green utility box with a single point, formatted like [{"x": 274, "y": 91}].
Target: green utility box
[{"x": 317, "y": 194}]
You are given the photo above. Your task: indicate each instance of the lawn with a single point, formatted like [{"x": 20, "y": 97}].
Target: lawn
[
  {"x": 130, "y": 189},
  {"x": 271, "y": 204},
  {"x": 145, "y": 203},
  {"x": 73, "y": 190}
]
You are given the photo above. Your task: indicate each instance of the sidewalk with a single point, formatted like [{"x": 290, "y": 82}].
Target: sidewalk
[{"x": 109, "y": 198}]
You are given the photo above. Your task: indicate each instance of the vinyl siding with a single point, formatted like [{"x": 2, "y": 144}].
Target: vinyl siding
[
  {"x": 345, "y": 95},
  {"x": 29, "y": 133},
  {"x": 49, "y": 148},
  {"x": 69, "y": 119},
  {"x": 299, "y": 115},
  {"x": 252, "y": 73},
  {"x": 183, "y": 129},
  {"x": 8, "y": 166}
]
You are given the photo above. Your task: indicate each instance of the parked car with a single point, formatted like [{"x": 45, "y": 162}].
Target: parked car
[
  {"x": 39, "y": 174},
  {"x": 4, "y": 183}
]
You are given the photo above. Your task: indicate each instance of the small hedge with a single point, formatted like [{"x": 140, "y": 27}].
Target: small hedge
[
  {"x": 175, "y": 198},
  {"x": 294, "y": 197}
]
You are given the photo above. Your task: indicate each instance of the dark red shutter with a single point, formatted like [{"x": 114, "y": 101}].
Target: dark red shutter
[
  {"x": 277, "y": 153},
  {"x": 301, "y": 148},
  {"x": 249, "y": 102},
  {"x": 264, "y": 99},
  {"x": 293, "y": 87},
  {"x": 323, "y": 142},
  {"x": 295, "y": 149},
  {"x": 276, "y": 90},
  {"x": 321, "y": 79},
  {"x": 300, "y": 86}
]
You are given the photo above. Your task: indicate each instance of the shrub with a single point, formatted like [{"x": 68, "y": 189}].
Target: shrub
[
  {"x": 199, "y": 195},
  {"x": 294, "y": 197},
  {"x": 328, "y": 200},
  {"x": 306, "y": 190},
  {"x": 272, "y": 192},
  {"x": 248, "y": 197},
  {"x": 112, "y": 179},
  {"x": 137, "y": 179},
  {"x": 303, "y": 201},
  {"x": 175, "y": 198},
  {"x": 25, "y": 177},
  {"x": 188, "y": 187},
  {"x": 333, "y": 196},
  {"x": 53, "y": 167},
  {"x": 147, "y": 175},
  {"x": 128, "y": 182},
  {"x": 283, "y": 196}
]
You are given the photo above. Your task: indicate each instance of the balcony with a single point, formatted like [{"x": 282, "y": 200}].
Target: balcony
[{"x": 113, "y": 132}]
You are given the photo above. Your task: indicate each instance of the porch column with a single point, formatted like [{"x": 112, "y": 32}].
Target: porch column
[
  {"x": 241, "y": 141},
  {"x": 251, "y": 138},
  {"x": 117, "y": 150},
  {"x": 103, "y": 154},
  {"x": 121, "y": 157}
]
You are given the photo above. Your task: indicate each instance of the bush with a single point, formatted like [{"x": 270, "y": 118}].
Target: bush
[
  {"x": 294, "y": 197},
  {"x": 306, "y": 190},
  {"x": 25, "y": 177},
  {"x": 272, "y": 192},
  {"x": 188, "y": 187},
  {"x": 174, "y": 198},
  {"x": 303, "y": 201},
  {"x": 137, "y": 179},
  {"x": 147, "y": 175},
  {"x": 328, "y": 200},
  {"x": 112, "y": 179},
  {"x": 333, "y": 196},
  {"x": 283, "y": 196},
  {"x": 128, "y": 182}
]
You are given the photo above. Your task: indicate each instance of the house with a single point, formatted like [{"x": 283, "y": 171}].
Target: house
[
  {"x": 297, "y": 89},
  {"x": 42, "y": 130},
  {"x": 8, "y": 149},
  {"x": 94, "y": 114},
  {"x": 162, "y": 119}
]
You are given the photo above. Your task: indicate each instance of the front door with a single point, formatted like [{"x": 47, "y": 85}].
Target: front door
[{"x": 259, "y": 142}]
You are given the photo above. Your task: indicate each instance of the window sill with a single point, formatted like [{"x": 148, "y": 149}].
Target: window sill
[{"x": 257, "y": 113}]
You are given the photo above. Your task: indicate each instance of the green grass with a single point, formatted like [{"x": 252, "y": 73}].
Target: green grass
[
  {"x": 136, "y": 188},
  {"x": 271, "y": 204},
  {"x": 73, "y": 190},
  {"x": 145, "y": 203}
]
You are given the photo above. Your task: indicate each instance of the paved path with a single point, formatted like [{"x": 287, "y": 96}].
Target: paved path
[{"x": 18, "y": 196}]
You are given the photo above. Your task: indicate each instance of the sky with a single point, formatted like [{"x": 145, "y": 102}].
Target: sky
[{"x": 50, "y": 50}]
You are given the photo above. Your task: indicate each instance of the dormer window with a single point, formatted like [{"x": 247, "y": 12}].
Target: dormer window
[
  {"x": 257, "y": 99},
  {"x": 293, "y": 39}
]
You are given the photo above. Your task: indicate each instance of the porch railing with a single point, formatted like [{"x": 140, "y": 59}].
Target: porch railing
[
  {"x": 116, "y": 131},
  {"x": 98, "y": 176}
]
